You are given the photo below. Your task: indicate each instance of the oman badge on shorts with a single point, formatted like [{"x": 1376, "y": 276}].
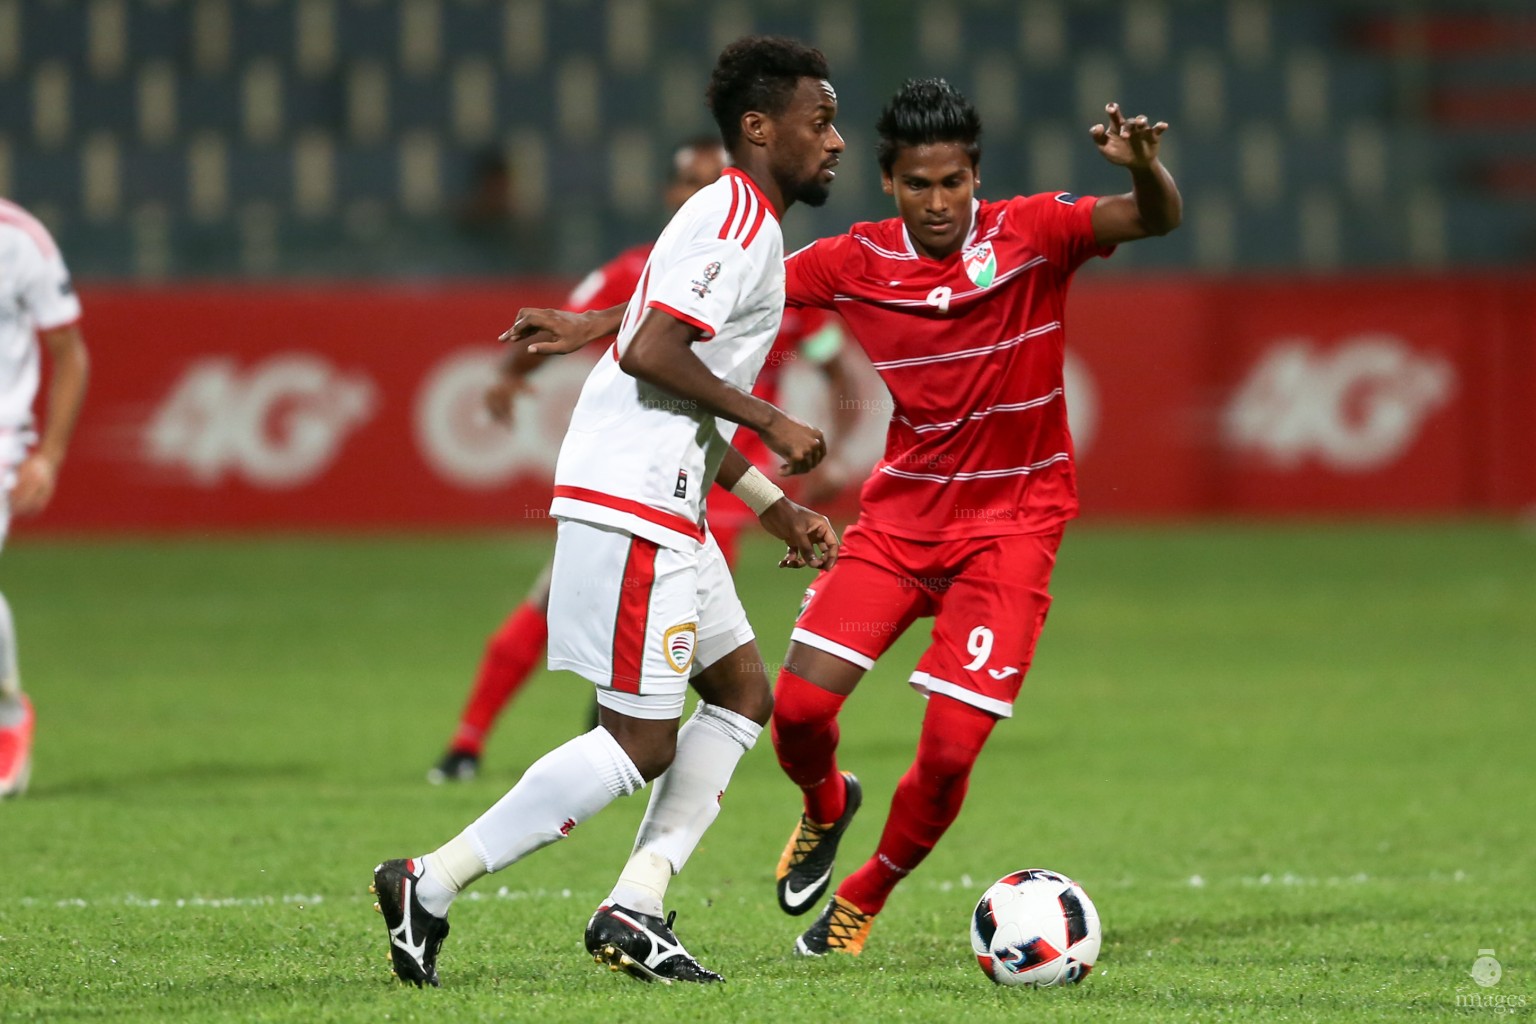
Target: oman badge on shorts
[
  {"x": 980, "y": 264},
  {"x": 678, "y": 646}
]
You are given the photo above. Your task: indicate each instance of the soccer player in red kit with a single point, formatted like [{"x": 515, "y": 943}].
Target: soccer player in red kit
[
  {"x": 959, "y": 302},
  {"x": 514, "y": 650}
]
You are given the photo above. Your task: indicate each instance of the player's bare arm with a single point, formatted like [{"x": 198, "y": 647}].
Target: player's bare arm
[
  {"x": 661, "y": 354},
  {"x": 38, "y": 473},
  {"x": 812, "y": 540},
  {"x": 511, "y": 382},
  {"x": 552, "y": 332},
  {"x": 535, "y": 335},
  {"x": 1153, "y": 206}
]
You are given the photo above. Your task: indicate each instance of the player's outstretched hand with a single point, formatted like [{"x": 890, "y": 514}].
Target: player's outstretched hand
[
  {"x": 801, "y": 445},
  {"x": 549, "y": 332},
  {"x": 501, "y": 396},
  {"x": 810, "y": 536},
  {"x": 1128, "y": 143}
]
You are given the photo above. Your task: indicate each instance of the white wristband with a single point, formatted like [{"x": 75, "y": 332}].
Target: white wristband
[{"x": 757, "y": 490}]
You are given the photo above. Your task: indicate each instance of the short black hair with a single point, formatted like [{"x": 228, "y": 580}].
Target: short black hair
[
  {"x": 924, "y": 111},
  {"x": 759, "y": 73}
]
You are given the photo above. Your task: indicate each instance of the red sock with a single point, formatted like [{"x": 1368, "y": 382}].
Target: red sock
[
  {"x": 926, "y": 802},
  {"x": 510, "y": 655},
  {"x": 805, "y": 740}
]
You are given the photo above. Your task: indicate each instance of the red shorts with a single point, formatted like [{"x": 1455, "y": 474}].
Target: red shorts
[{"x": 987, "y": 596}]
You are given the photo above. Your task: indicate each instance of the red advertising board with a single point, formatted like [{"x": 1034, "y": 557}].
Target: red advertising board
[
  {"x": 359, "y": 406},
  {"x": 1509, "y": 466},
  {"x": 1345, "y": 397},
  {"x": 1137, "y": 397},
  {"x": 221, "y": 408}
]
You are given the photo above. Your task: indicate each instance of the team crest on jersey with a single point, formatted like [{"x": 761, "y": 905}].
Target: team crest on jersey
[
  {"x": 980, "y": 264},
  {"x": 678, "y": 646},
  {"x": 711, "y": 271}
]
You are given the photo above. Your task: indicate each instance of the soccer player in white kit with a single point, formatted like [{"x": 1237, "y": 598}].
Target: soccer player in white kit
[
  {"x": 641, "y": 602},
  {"x": 37, "y": 299}
]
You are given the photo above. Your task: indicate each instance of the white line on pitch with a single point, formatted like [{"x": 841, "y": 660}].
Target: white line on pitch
[{"x": 299, "y": 900}]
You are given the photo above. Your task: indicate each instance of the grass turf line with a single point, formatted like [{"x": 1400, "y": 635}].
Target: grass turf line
[{"x": 1291, "y": 765}]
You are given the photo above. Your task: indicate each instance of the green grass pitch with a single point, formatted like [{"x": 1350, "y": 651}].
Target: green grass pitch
[{"x": 1294, "y": 766}]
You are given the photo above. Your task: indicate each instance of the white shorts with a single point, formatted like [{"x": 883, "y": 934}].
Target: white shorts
[{"x": 638, "y": 619}]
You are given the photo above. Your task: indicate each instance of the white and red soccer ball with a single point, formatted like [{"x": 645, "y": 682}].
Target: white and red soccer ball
[{"x": 1035, "y": 927}]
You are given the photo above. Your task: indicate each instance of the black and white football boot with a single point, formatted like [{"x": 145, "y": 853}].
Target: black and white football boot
[
  {"x": 454, "y": 766},
  {"x": 805, "y": 867},
  {"x": 643, "y": 946},
  {"x": 415, "y": 936}
]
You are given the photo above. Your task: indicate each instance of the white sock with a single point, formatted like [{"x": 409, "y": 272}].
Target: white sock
[
  {"x": 446, "y": 871},
  {"x": 684, "y": 803},
  {"x": 560, "y": 790}
]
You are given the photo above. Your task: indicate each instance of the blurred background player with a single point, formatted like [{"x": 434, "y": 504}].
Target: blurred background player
[
  {"x": 812, "y": 335},
  {"x": 960, "y": 304},
  {"x": 37, "y": 300},
  {"x": 500, "y": 232},
  {"x": 641, "y": 602}
]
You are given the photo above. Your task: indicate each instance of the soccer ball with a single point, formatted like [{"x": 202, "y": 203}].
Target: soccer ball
[{"x": 1035, "y": 927}]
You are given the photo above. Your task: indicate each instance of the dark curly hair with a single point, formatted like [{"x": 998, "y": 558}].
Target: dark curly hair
[
  {"x": 924, "y": 111},
  {"x": 759, "y": 73}
]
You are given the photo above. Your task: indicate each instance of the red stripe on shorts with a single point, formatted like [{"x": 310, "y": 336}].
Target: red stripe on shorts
[{"x": 629, "y": 625}]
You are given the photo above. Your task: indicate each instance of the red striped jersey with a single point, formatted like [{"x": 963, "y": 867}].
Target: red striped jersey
[
  {"x": 970, "y": 348},
  {"x": 639, "y": 458}
]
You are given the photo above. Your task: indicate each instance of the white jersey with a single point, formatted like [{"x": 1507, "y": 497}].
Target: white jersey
[
  {"x": 35, "y": 295},
  {"x": 642, "y": 459}
]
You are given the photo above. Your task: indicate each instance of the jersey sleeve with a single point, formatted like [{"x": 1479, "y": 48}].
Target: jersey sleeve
[
  {"x": 1060, "y": 226},
  {"x": 704, "y": 281},
  {"x": 807, "y": 281},
  {"x": 47, "y": 290}
]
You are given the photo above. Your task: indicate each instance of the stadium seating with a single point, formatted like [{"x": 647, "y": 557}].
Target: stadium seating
[{"x": 235, "y": 137}]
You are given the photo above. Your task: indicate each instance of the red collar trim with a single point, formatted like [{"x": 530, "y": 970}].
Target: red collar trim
[{"x": 744, "y": 176}]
